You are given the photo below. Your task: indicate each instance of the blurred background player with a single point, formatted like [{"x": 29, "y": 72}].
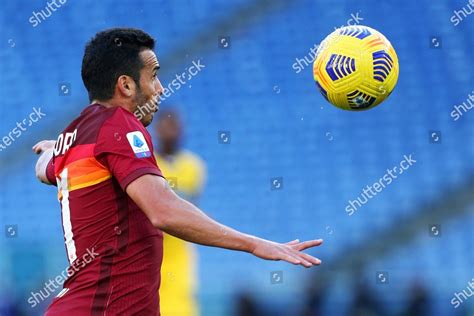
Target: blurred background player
[{"x": 186, "y": 174}]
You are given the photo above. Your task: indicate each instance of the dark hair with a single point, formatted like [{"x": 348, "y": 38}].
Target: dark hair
[{"x": 111, "y": 54}]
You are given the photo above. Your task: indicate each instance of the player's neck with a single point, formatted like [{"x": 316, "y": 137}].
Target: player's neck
[{"x": 113, "y": 103}]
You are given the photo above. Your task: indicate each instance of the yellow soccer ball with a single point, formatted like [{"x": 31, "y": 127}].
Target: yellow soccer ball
[{"x": 356, "y": 68}]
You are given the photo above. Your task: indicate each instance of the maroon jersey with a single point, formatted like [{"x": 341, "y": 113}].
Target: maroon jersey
[{"x": 114, "y": 251}]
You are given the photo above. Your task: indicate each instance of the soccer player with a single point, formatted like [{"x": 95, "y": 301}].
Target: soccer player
[
  {"x": 114, "y": 200},
  {"x": 186, "y": 173}
]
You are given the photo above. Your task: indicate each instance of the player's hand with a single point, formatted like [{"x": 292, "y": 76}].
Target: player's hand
[
  {"x": 290, "y": 252},
  {"x": 43, "y": 145}
]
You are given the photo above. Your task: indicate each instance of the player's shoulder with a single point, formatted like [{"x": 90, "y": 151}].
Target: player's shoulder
[
  {"x": 85, "y": 127},
  {"x": 123, "y": 126},
  {"x": 94, "y": 116}
]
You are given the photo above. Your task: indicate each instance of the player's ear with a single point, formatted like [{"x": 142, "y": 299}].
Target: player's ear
[{"x": 126, "y": 86}]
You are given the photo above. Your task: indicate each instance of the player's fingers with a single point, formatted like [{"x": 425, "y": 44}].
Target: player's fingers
[
  {"x": 305, "y": 263},
  {"x": 37, "y": 147},
  {"x": 291, "y": 258},
  {"x": 299, "y": 257},
  {"x": 293, "y": 242},
  {"x": 306, "y": 260},
  {"x": 308, "y": 244},
  {"x": 310, "y": 258}
]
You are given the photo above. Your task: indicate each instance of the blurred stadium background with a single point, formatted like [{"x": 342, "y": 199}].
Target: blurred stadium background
[{"x": 408, "y": 250}]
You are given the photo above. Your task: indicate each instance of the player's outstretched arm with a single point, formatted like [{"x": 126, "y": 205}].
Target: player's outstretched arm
[
  {"x": 177, "y": 217},
  {"x": 45, "y": 149}
]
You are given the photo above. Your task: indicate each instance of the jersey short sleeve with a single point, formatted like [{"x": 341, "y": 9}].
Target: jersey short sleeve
[{"x": 124, "y": 146}]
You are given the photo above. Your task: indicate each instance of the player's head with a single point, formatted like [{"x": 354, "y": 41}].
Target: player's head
[
  {"x": 119, "y": 64},
  {"x": 169, "y": 131}
]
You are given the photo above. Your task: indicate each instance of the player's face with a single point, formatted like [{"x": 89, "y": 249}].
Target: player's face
[{"x": 150, "y": 89}]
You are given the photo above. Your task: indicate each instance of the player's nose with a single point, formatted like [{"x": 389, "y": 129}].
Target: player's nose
[{"x": 158, "y": 87}]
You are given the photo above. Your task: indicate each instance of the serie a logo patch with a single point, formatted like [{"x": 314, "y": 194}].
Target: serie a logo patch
[{"x": 139, "y": 145}]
